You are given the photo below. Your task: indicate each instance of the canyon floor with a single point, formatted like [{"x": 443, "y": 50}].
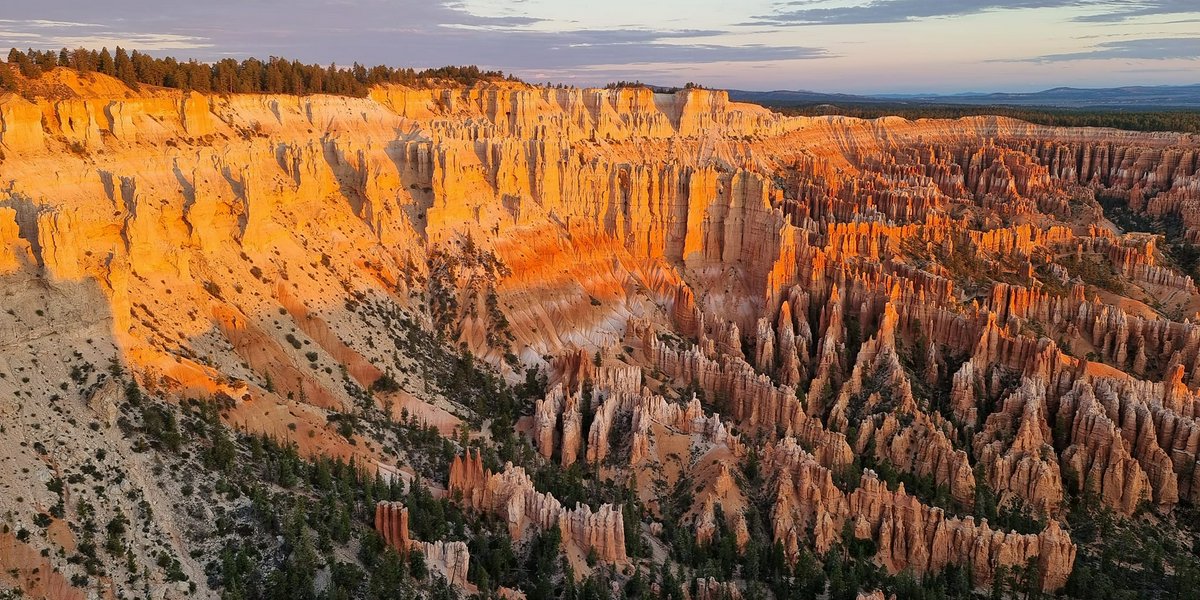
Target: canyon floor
[{"x": 520, "y": 341}]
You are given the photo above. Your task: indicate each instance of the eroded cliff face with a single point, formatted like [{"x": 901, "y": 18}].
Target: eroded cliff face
[
  {"x": 706, "y": 283},
  {"x": 450, "y": 559},
  {"x": 511, "y": 495}
]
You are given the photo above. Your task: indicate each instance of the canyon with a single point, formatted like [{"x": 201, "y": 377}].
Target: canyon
[{"x": 805, "y": 333}]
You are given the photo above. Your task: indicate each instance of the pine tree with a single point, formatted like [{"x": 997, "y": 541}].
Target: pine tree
[
  {"x": 416, "y": 564},
  {"x": 225, "y": 76},
  {"x": 632, "y": 525},
  {"x": 295, "y": 577},
  {"x": 24, "y": 63},
  {"x": 44, "y": 60},
  {"x": 64, "y": 58},
  {"x": 123, "y": 66},
  {"x": 83, "y": 60},
  {"x": 8, "y": 80},
  {"x": 105, "y": 64},
  {"x": 387, "y": 578}
]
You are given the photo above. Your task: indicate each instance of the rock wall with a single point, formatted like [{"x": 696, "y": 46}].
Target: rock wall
[
  {"x": 450, "y": 559},
  {"x": 1016, "y": 450},
  {"x": 511, "y": 495},
  {"x": 908, "y": 533},
  {"x": 824, "y": 282}
]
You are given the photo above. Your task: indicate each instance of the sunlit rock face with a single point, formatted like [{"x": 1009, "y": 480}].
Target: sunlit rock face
[{"x": 941, "y": 298}]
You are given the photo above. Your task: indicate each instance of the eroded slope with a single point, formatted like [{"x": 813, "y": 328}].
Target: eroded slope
[{"x": 763, "y": 332}]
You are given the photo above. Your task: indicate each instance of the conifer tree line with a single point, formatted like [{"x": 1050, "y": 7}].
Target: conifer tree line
[
  {"x": 229, "y": 76},
  {"x": 1149, "y": 118}
]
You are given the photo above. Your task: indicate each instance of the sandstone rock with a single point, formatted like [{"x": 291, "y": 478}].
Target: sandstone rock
[
  {"x": 451, "y": 559},
  {"x": 391, "y": 521},
  {"x": 20, "y": 125},
  {"x": 1026, "y": 466},
  {"x": 711, "y": 589},
  {"x": 512, "y": 496},
  {"x": 1098, "y": 458},
  {"x": 838, "y": 246},
  {"x": 909, "y": 534}
]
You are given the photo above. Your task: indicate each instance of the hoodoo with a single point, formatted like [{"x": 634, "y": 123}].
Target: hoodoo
[{"x": 612, "y": 339}]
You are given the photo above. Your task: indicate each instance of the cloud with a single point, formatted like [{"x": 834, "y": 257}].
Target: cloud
[
  {"x": 149, "y": 42},
  {"x": 587, "y": 48},
  {"x": 824, "y": 12},
  {"x": 59, "y": 34},
  {"x": 818, "y": 12},
  {"x": 1133, "y": 9},
  {"x": 39, "y": 23},
  {"x": 18, "y": 35},
  {"x": 1187, "y": 48},
  {"x": 415, "y": 33}
]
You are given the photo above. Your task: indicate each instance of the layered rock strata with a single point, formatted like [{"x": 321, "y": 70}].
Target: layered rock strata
[{"x": 829, "y": 289}]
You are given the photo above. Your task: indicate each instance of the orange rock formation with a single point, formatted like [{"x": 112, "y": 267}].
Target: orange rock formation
[
  {"x": 511, "y": 495},
  {"x": 451, "y": 559},
  {"x": 938, "y": 296}
]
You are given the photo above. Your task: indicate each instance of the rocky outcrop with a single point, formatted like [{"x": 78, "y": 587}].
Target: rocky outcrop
[
  {"x": 719, "y": 503},
  {"x": 558, "y": 422},
  {"x": 831, "y": 286},
  {"x": 1016, "y": 451},
  {"x": 908, "y": 533},
  {"x": 511, "y": 495},
  {"x": 914, "y": 536},
  {"x": 1124, "y": 463},
  {"x": 20, "y": 125},
  {"x": 711, "y": 589},
  {"x": 618, "y": 395},
  {"x": 878, "y": 400},
  {"x": 805, "y": 499},
  {"x": 451, "y": 559},
  {"x": 1098, "y": 458},
  {"x": 391, "y": 521},
  {"x": 754, "y": 400}
]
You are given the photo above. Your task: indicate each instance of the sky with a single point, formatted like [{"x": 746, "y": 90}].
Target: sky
[{"x": 849, "y": 46}]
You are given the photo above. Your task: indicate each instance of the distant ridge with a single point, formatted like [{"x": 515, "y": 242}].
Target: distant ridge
[{"x": 1128, "y": 97}]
